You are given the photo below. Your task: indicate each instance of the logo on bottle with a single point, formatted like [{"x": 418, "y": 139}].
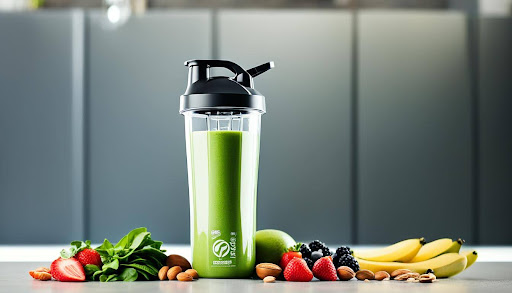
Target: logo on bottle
[{"x": 220, "y": 248}]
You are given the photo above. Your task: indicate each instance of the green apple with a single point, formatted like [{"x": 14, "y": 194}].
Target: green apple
[{"x": 271, "y": 244}]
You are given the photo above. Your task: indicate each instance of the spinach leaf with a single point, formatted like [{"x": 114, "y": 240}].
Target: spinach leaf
[
  {"x": 148, "y": 269},
  {"x": 90, "y": 270},
  {"x": 127, "y": 240},
  {"x": 145, "y": 275},
  {"x": 111, "y": 265},
  {"x": 135, "y": 256},
  {"x": 96, "y": 275},
  {"x": 128, "y": 275}
]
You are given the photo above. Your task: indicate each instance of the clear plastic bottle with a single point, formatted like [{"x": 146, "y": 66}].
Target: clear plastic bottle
[{"x": 222, "y": 126}]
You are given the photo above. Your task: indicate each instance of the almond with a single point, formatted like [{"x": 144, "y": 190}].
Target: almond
[
  {"x": 267, "y": 269},
  {"x": 427, "y": 278},
  {"x": 345, "y": 273},
  {"x": 381, "y": 275},
  {"x": 365, "y": 275},
  {"x": 43, "y": 269},
  {"x": 269, "y": 279},
  {"x": 400, "y": 272},
  {"x": 184, "y": 277},
  {"x": 193, "y": 273},
  {"x": 162, "y": 273},
  {"x": 406, "y": 276},
  {"x": 42, "y": 276},
  {"x": 178, "y": 260},
  {"x": 173, "y": 272}
]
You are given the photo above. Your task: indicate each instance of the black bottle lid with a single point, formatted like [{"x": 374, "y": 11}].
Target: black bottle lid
[{"x": 207, "y": 93}]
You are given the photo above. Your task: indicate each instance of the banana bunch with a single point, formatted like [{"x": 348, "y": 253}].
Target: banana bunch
[{"x": 441, "y": 255}]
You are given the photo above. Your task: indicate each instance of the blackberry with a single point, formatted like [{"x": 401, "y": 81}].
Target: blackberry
[
  {"x": 316, "y": 245},
  {"x": 348, "y": 261},
  {"x": 430, "y": 271},
  {"x": 342, "y": 250},
  {"x": 335, "y": 259},
  {"x": 325, "y": 251},
  {"x": 309, "y": 262},
  {"x": 305, "y": 251}
]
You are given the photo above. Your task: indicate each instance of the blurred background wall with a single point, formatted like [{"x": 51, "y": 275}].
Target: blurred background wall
[{"x": 386, "y": 119}]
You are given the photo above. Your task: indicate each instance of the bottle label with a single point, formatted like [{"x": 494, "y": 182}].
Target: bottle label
[{"x": 224, "y": 249}]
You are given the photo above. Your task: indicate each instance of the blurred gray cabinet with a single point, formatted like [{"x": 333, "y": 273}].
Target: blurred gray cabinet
[
  {"x": 414, "y": 126},
  {"x": 137, "y": 172},
  {"x": 40, "y": 136},
  {"x": 495, "y": 56},
  {"x": 304, "y": 176}
]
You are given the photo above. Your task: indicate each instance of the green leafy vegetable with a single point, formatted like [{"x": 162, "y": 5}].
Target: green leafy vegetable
[
  {"x": 135, "y": 257},
  {"x": 90, "y": 270},
  {"x": 76, "y": 247}
]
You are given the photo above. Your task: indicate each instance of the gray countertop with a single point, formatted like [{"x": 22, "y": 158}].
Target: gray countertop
[{"x": 481, "y": 277}]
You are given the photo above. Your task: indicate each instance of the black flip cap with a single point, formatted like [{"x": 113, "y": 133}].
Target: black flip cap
[{"x": 205, "y": 93}]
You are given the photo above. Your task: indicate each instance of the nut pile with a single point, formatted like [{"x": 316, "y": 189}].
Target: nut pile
[
  {"x": 177, "y": 273},
  {"x": 177, "y": 268},
  {"x": 346, "y": 273}
]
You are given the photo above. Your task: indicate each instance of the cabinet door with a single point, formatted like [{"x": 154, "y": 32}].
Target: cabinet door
[
  {"x": 414, "y": 126},
  {"x": 137, "y": 168},
  {"x": 495, "y": 48},
  {"x": 40, "y": 157},
  {"x": 304, "y": 160}
]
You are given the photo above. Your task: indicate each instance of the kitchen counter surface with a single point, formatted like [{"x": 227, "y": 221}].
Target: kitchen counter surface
[{"x": 483, "y": 276}]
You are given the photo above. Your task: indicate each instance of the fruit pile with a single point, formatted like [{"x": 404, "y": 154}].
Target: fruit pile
[
  {"x": 135, "y": 257},
  {"x": 410, "y": 260}
]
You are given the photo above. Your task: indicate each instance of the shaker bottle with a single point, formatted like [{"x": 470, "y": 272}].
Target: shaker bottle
[{"x": 222, "y": 128}]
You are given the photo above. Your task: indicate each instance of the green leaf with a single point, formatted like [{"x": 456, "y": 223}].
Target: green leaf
[
  {"x": 91, "y": 269},
  {"x": 157, "y": 262},
  {"x": 103, "y": 278},
  {"x": 106, "y": 245},
  {"x": 106, "y": 250},
  {"x": 148, "y": 269},
  {"x": 139, "y": 240},
  {"x": 76, "y": 247},
  {"x": 111, "y": 265},
  {"x": 96, "y": 275},
  {"x": 127, "y": 240},
  {"x": 113, "y": 277},
  {"x": 128, "y": 275},
  {"x": 144, "y": 274},
  {"x": 152, "y": 243},
  {"x": 150, "y": 251}
]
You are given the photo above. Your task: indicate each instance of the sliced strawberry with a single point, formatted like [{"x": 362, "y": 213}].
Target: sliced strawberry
[
  {"x": 297, "y": 271},
  {"x": 324, "y": 269},
  {"x": 89, "y": 256},
  {"x": 292, "y": 252},
  {"x": 67, "y": 270}
]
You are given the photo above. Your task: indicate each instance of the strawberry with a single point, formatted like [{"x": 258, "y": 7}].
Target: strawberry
[
  {"x": 89, "y": 256},
  {"x": 67, "y": 270},
  {"x": 291, "y": 252},
  {"x": 324, "y": 269},
  {"x": 297, "y": 271}
]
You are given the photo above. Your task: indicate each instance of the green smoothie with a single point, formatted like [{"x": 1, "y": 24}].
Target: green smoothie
[{"x": 223, "y": 180}]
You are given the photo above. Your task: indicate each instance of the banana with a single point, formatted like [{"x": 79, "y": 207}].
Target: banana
[
  {"x": 438, "y": 247},
  {"x": 402, "y": 251},
  {"x": 444, "y": 266},
  {"x": 471, "y": 255}
]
